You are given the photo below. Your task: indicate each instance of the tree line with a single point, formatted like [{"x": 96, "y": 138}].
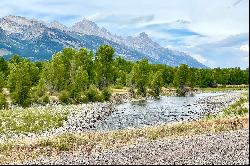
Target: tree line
[{"x": 79, "y": 76}]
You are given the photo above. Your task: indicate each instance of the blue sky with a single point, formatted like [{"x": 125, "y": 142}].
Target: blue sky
[{"x": 213, "y": 31}]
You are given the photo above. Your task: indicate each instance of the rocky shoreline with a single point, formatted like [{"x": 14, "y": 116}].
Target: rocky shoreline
[
  {"x": 86, "y": 117},
  {"x": 128, "y": 117}
]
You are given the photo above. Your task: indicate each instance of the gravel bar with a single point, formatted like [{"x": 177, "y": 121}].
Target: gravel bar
[{"x": 222, "y": 148}]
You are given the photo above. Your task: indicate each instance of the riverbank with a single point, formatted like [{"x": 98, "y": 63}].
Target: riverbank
[
  {"x": 18, "y": 152},
  {"x": 123, "y": 95},
  {"x": 28, "y": 123},
  {"x": 225, "y": 148},
  {"x": 74, "y": 136},
  {"x": 104, "y": 116}
]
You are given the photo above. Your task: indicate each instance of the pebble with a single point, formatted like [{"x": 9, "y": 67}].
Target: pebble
[
  {"x": 226, "y": 148},
  {"x": 93, "y": 116}
]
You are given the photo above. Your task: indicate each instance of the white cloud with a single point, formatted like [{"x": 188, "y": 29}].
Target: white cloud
[
  {"x": 213, "y": 19},
  {"x": 245, "y": 48},
  {"x": 199, "y": 58}
]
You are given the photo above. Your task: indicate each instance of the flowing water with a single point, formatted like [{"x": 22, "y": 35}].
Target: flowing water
[{"x": 152, "y": 112}]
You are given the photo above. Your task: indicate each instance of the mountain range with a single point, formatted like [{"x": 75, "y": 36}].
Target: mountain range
[{"x": 38, "y": 40}]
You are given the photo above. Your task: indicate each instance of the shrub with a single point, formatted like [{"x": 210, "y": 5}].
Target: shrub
[
  {"x": 3, "y": 102},
  {"x": 118, "y": 86},
  {"x": 31, "y": 120},
  {"x": 64, "y": 97},
  {"x": 93, "y": 94},
  {"x": 81, "y": 98},
  {"x": 21, "y": 97},
  {"x": 34, "y": 98},
  {"x": 106, "y": 93},
  {"x": 2, "y": 81},
  {"x": 45, "y": 99},
  {"x": 182, "y": 91}
]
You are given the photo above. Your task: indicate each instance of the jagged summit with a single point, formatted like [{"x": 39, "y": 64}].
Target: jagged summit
[
  {"x": 90, "y": 28},
  {"x": 143, "y": 35},
  {"x": 38, "y": 40},
  {"x": 19, "y": 20},
  {"x": 58, "y": 25},
  {"x": 27, "y": 28}
]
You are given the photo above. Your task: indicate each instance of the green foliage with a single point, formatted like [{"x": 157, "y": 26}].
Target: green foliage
[
  {"x": 181, "y": 76},
  {"x": 16, "y": 59},
  {"x": 138, "y": 78},
  {"x": 45, "y": 98},
  {"x": 181, "y": 79},
  {"x": 30, "y": 120},
  {"x": 93, "y": 94},
  {"x": 2, "y": 81},
  {"x": 38, "y": 94},
  {"x": 82, "y": 76},
  {"x": 206, "y": 78},
  {"x": 106, "y": 93},
  {"x": 80, "y": 82},
  {"x": 21, "y": 97},
  {"x": 168, "y": 75},
  {"x": 156, "y": 83},
  {"x": 55, "y": 73},
  {"x": 236, "y": 108},
  {"x": 131, "y": 81},
  {"x": 64, "y": 97},
  {"x": 21, "y": 78},
  {"x": 193, "y": 77},
  {"x": 81, "y": 98},
  {"x": 3, "y": 102},
  {"x": 3, "y": 66},
  {"x": 104, "y": 66}
]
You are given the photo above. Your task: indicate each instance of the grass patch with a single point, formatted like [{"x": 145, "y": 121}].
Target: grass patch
[
  {"x": 233, "y": 110},
  {"x": 122, "y": 90},
  {"x": 223, "y": 89},
  {"x": 23, "y": 121}
]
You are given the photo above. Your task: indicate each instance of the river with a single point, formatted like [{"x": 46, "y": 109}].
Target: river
[{"x": 167, "y": 109}]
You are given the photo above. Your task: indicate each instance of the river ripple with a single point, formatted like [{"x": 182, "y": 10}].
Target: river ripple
[{"x": 166, "y": 110}]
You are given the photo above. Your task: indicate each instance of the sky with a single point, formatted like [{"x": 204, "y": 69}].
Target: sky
[{"x": 215, "y": 32}]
